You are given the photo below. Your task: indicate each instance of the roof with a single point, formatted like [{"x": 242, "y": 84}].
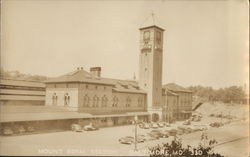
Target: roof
[
  {"x": 31, "y": 109},
  {"x": 22, "y": 92},
  {"x": 83, "y": 76},
  {"x": 152, "y": 26},
  {"x": 79, "y": 75},
  {"x": 22, "y": 97},
  {"x": 175, "y": 88},
  {"x": 127, "y": 86},
  {"x": 22, "y": 83},
  {"x": 171, "y": 93},
  {"x": 150, "y": 22}
]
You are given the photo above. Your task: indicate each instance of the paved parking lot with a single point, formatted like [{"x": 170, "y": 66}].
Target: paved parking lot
[{"x": 105, "y": 141}]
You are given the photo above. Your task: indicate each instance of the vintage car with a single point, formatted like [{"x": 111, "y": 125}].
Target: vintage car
[
  {"x": 7, "y": 131},
  {"x": 76, "y": 128},
  {"x": 154, "y": 125},
  {"x": 90, "y": 127},
  {"x": 216, "y": 124},
  {"x": 160, "y": 124},
  {"x": 172, "y": 132},
  {"x": 18, "y": 129},
  {"x": 130, "y": 139},
  {"x": 30, "y": 129},
  {"x": 158, "y": 134},
  {"x": 126, "y": 140},
  {"x": 146, "y": 126},
  {"x": 187, "y": 122}
]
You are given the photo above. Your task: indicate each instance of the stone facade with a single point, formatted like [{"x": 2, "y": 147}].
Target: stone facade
[{"x": 150, "y": 73}]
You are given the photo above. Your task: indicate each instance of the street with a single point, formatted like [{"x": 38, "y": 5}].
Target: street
[{"x": 105, "y": 141}]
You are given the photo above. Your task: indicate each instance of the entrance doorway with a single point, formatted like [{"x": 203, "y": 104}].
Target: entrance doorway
[{"x": 155, "y": 117}]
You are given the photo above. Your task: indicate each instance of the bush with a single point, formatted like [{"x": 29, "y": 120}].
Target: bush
[{"x": 176, "y": 149}]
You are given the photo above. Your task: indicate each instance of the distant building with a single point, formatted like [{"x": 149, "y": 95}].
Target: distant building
[
  {"x": 179, "y": 100},
  {"x": 17, "y": 92}
]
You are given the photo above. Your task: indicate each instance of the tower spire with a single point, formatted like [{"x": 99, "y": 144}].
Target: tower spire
[{"x": 153, "y": 17}]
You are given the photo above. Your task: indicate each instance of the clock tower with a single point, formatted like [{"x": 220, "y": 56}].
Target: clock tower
[{"x": 150, "y": 70}]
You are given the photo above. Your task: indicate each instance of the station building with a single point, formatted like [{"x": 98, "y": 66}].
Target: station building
[{"x": 84, "y": 96}]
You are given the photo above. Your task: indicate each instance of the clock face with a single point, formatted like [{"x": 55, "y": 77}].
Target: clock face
[{"x": 146, "y": 35}]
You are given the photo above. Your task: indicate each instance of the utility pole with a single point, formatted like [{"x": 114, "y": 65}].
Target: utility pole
[
  {"x": 221, "y": 118},
  {"x": 136, "y": 118}
]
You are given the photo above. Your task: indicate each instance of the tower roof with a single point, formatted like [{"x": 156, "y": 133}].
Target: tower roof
[
  {"x": 150, "y": 22},
  {"x": 175, "y": 88}
]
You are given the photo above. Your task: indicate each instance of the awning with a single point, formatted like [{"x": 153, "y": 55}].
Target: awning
[{"x": 17, "y": 117}]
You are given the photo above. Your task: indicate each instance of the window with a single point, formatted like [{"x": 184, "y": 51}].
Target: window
[
  {"x": 87, "y": 86},
  {"x": 128, "y": 102},
  {"x": 54, "y": 99},
  {"x": 104, "y": 101},
  {"x": 66, "y": 99},
  {"x": 96, "y": 87},
  {"x": 140, "y": 102},
  {"x": 95, "y": 101},
  {"x": 86, "y": 100},
  {"x": 115, "y": 102}
]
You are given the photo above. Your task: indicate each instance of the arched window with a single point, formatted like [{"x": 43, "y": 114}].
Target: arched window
[
  {"x": 94, "y": 101},
  {"x": 54, "y": 99},
  {"x": 97, "y": 102},
  {"x": 115, "y": 102},
  {"x": 66, "y": 99},
  {"x": 128, "y": 102},
  {"x": 104, "y": 101},
  {"x": 86, "y": 100},
  {"x": 140, "y": 102}
]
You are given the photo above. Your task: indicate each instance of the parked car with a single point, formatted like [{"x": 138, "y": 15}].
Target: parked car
[
  {"x": 197, "y": 119},
  {"x": 167, "y": 125},
  {"x": 172, "y": 132},
  {"x": 76, "y": 128},
  {"x": 21, "y": 129},
  {"x": 130, "y": 139},
  {"x": 180, "y": 132},
  {"x": 90, "y": 127},
  {"x": 126, "y": 140},
  {"x": 187, "y": 122},
  {"x": 146, "y": 126},
  {"x": 161, "y": 125},
  {"x": 216, "y": 124},
  {"x": 157, "y": 133},
  {"x": 7, "y": 131},
  {"x": 30, "y": 129},
  {"x": 201, "y": 127},
  {"x": 18, "y": 129},
  {"x": 141, "y": 138},
  {"x": 141, "y": 125},
  {"x": 154, "y": 125}
]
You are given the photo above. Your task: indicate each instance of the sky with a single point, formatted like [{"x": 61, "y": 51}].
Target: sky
[{"x": 205, "y": 41}]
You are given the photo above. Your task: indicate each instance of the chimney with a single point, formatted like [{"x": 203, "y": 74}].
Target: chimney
[{"x": 96, "y": 71}]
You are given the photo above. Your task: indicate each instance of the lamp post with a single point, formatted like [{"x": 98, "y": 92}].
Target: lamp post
[{"x": 136, "y": 118}]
